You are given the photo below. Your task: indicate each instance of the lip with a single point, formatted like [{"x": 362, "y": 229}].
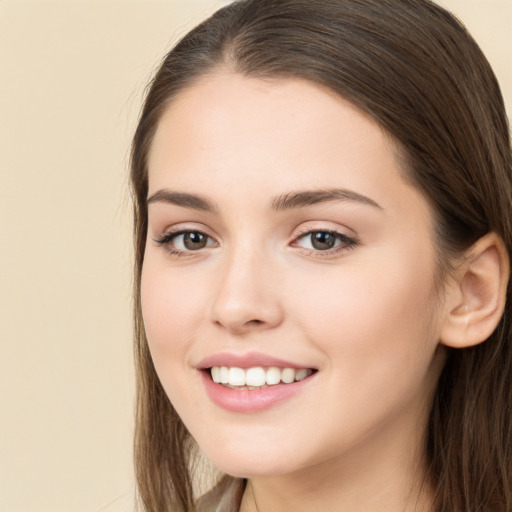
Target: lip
[
  {"x": 255, "y": 400},
  {"x": 247, "y": 360}
]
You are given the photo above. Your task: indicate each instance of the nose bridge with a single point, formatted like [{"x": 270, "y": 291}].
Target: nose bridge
[{"x": 246, "y": 297}]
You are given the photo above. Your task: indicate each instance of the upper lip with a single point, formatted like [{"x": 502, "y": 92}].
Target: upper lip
[{"x": 247, "y": 360}]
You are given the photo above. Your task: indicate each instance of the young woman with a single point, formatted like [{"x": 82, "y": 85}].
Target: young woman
[{"x": 323, "y": 229}]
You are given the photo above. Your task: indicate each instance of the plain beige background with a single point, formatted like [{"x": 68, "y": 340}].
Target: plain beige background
[{"x": 71, "y": 81}]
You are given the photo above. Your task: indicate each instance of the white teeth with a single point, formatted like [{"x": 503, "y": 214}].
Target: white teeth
[
  {"x": 216, "y": 374},
  {"x": 224, "y": 375},
  {"x": 236, "y": 376},
  {"x": 288, "y": 375},
  {"x": 273, "y": 376},
  {"x": 301, "y": 374},
  {"x": 257, "y": 376}
]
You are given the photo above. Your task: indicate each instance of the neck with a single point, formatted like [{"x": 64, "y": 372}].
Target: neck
[{"x": 386, "y": 475}]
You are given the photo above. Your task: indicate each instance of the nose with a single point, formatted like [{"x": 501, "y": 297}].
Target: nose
[{"x": 247, "y": 297}]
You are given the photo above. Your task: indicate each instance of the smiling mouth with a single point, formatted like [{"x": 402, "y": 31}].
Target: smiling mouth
[{"x": 256, "y": 377}]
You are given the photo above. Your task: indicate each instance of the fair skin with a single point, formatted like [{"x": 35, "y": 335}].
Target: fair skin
[{"x": 343, "y": 286}]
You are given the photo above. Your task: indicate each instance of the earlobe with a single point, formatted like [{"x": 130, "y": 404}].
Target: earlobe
[{"x": 479, "y": 294}]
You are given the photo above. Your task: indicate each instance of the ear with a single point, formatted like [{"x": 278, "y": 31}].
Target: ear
[{"x": 476, "y": 297}]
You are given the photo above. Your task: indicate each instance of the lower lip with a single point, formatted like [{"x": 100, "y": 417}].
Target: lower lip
[{"x": 251, "y": 400}]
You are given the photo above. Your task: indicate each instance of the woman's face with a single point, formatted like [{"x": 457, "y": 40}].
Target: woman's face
[{"x": 283, "y": 235}]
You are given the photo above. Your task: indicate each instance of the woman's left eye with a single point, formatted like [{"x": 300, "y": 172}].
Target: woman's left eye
[{"x": 324, "y": 241}]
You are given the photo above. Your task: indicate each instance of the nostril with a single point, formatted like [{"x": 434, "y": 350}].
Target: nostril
[{"x": 255, "y": 322}]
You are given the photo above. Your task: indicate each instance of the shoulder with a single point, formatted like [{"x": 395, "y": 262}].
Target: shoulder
[{"x": 226, "y": 496}]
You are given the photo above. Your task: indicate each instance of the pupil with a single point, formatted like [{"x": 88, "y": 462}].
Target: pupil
[
  {"x": 194, "y": 241},
  {"x": 323, "y": 241}
]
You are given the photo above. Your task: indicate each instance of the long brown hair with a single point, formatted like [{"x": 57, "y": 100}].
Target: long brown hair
[{"x": 414, "y": 68}]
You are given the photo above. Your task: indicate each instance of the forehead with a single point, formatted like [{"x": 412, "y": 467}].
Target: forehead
[
  {"x": 230, "y": 132},
  {"x": 237, "y": 103}
]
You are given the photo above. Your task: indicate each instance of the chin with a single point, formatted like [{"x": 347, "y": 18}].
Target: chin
[{"x": 253, "y": 462}]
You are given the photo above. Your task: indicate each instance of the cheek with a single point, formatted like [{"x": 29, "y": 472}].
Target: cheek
[
  {"x": 172, "y": 308},
  {"x": 171, "y": 314},
  {"x": 375, "y": 323}
]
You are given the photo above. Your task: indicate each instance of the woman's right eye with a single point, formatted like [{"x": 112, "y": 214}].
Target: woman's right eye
[{"x": 185, "y": 241}]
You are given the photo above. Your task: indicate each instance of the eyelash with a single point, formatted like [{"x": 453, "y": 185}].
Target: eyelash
[
  {"x": 345, "y": 242},
  {"x": 165, "y": 240}
]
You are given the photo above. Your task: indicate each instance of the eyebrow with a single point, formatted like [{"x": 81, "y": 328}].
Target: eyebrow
[
  {"x": 282, "y": 202},
  {"x": 193, "y": 201},
  {"x": 312, "y": 197}
]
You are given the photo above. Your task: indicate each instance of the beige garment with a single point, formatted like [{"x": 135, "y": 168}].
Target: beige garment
[{"x": 226, "y": 496}]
